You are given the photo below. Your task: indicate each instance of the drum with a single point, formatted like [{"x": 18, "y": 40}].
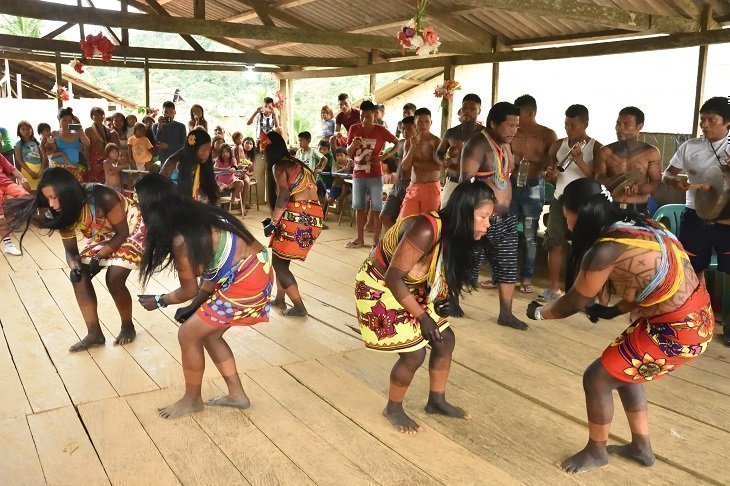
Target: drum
[{"x": 713, "y": 203}]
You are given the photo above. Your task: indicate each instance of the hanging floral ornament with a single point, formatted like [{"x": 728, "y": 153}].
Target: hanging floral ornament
[
  {"x": 77, "y": 65},
  {"x": 97, "y": 46},
  {"x": 279, "y": 100},
  {"x": 446, "y": 91},
  {"x": 415, "y": 36},
  {"x": 59, "y": 92}
]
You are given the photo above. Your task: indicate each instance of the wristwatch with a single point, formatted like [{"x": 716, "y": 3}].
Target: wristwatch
[
  {"x": 538, "y": 314},
  {"x": 160, "y": 301}
]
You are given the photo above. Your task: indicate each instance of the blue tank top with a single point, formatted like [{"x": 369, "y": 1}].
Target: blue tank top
[{"x": 71, "y": 149}]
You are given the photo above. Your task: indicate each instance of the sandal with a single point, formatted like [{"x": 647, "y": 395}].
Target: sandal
[
  {"x": 527, "y": 288},
  {"x": 488, "y": 285},
  {"x": 354, "y": 244},
  {"x": 548, "y": 295}
]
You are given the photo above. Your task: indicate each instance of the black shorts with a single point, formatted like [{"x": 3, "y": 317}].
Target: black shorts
[
  {"x": 500, "y": 248},
  {"x": 700, "y": 237},
  {"x": 391, "y": 206}
]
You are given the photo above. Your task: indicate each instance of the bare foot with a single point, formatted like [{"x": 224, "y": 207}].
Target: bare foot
[
  {"x": 437, "y": 404},
  {"x": 126, "y": 335},
  {"x": 89, "y": 341},
  {"x": 455, "y": 310},
  {"x": 228, "y": 401},
  {"x": 591, "y": 457},
  {"x": 278, "y": 303},
  {"x": 397, "y": 416},
  {"x": 295, "y": 312},
  {"x": 513, "y": 322},
  {"x": 181, "y": 407},
  {"x": 643, "y": 456}
]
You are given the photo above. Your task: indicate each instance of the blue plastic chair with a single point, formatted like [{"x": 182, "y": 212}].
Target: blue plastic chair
[{"x": 669, "y": 215}]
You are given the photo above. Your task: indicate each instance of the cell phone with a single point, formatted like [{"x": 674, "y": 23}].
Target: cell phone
[
  {"x": 74, "y": 126},
  {"x": 166, "y": 119}
]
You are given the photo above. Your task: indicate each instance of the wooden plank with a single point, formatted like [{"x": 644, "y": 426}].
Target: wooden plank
[
  {"x": 365, "y": 451},
  {"x": 455, "y": 464},
  {"x": 122, "y": 371},
  {"x": 42, "y": 384},
  {"x": 41, "y": 254},
  {"x": 24, "y": 262},
  {"x": 81, "y": 376},
  {"x": 13, "y": 402},
  {"x": 310, "y": 452},
  {"x": 178, "y": 25},
  {"x": 191, "y": 454},
  {"x": 19, "y": 462},
  {"x": 261, "y": 465},
  {"x": 64, "y": 449},
  {"x": 120, "y": 441}
]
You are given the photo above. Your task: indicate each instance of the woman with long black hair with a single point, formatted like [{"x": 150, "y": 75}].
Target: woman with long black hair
[
  {"x": 296, "y": 218},
  {"x": 671, "y": 317},
  {"x": 403, "y": 288},
  {"x": 202, "y": 240},
  {"x": 114, "y": 234},
  {"x": 191, "y": 168}
]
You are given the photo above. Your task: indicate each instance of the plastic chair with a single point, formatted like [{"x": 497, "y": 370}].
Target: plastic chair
[
  {"x": 669, "y": 215},
  {"x": 549, "y": 193}
]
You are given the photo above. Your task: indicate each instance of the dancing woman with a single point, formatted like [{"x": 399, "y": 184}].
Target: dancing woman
[
  {"x": 191, "y": 168},
  {"x": 402, "y": 290},
  {"x": 202, "y": 240},
  {"x": 114, "y": 234},
  {"x": 296, "y": 218},
  {"x": 672, "y": 321}
]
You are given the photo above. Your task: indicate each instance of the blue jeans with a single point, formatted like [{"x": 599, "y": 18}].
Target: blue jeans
[
  {"x": 367, "y": 186},
  {"x": 527, "y": 203}
]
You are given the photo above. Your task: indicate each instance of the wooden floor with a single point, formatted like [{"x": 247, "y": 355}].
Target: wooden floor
[{"x": 91, "y": 418}]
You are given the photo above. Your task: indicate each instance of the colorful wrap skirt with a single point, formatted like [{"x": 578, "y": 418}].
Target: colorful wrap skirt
[
  {"x": 242, "y": 296},
  {"x": 77, "y": 170},
  {"x": 384, "y": 324},
  {"x": 129, "y": 253},
  {"x": 652, "y": 347},
  {"x": 298, "y": 229}
]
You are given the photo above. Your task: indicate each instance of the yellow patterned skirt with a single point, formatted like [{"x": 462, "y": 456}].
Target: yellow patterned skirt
[{"x": 384, "y": 324}]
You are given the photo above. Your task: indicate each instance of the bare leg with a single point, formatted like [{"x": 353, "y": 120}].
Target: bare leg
[
  {"x": 360, "y": 218},
  {"x": 86, "y": 298},
  {"x": 376, "y": 226},
  {"x": 222, "y": 356},
  {"x": 279, "y": 301},
  {"x": 506, "y": 317},
  {"x": 286, "y": 281},
  {"x": 116, "y": 278},
  {"x": 598, "y": 386},
  {"x": 633, "y": 398},
  {"x": 237, "y": 188},
  {"x": 400, "y": 379},
  {"x": 555, "y": 264},
  {"x": 191, "y": 335},
  {"x": 439, "y": 365}
]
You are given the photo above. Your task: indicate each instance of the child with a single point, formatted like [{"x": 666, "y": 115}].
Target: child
[
  {"x": 312, "y": 158},
  {"x": 247, "y": 162},
  {"x": 339, "y": 190},
  {"x": 390, "y": 170},
  {"x": 324, "y": 181},
  {"x": 140, "y": 148},
  {"x": 225, "y": 167},
  {"x": 216, "y": 144},
  {"x": 8, "y": 188},
  {"x": 238, "y": 146},
  {"x": 328, "y": 122},
  {"x": 49, "y": 149},
  {"x": 113, "y": 167},
  {"x": 28, "y": 155}
]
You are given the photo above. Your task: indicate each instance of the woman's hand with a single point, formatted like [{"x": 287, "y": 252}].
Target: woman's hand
[
  {"x": 184, "y": 313},
  {"x": 429, "y": 328},
  {"x": 533, "y": 311},
  {"x": 148, "y": 302},
  {"x": 598, "y": 311}
]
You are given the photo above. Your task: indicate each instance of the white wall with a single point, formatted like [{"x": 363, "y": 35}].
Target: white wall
[{"x": 13, "y": 110}]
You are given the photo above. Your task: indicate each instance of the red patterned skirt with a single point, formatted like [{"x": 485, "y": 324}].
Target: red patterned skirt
[
  {"x": 652, "y": 347},
  {"x": 298, "y": 229}
]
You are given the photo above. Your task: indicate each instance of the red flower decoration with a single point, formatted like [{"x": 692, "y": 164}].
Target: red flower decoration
[
  {"x": 97, "y": 45},
  {"x": 382, "y": 321}
]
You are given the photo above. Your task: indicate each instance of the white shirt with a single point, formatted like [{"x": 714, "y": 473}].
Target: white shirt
[
  {"x": 573, "y": 172},
  {"x": 694, "y": 157}
]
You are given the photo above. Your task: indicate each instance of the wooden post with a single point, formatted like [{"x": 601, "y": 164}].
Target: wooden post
[
  {"x": 18, "y": 86},
  {"x": 284, "y": 114},
  {"x": 8, "y": 92},
  {"x": 701, "y": 72},
  {"x": 81, "y": 24},
  {"x": 199, "y": 9},
  {"x": 447, "y": 109},
  {"x": 372, "y": 84},
  {"x": 147, "y": 83},
  {"x": 289, "y": 108},
  {"x": 125, "y": 32},
  {"x": 495, "y": 74},
  {"x": 58, "y": 78},
  {"x": 371, "y": 60}
]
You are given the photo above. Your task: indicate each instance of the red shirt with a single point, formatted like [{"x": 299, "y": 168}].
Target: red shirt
[
  {"x": 372, "y": 146},
  {"x": 6, "y": 172},
  {"x": 348, "y": 120}
]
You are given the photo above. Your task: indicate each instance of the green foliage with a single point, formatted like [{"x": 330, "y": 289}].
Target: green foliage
[{"x": 20, "y": 26}]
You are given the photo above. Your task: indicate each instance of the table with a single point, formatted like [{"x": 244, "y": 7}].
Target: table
[{"x": 131, "y": 178}]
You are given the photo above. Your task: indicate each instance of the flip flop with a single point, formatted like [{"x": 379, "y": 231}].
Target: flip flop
[
  {"x": 527, "y": 288},
  {"x": 353, "y": 244},
  {"x": 548, "y": 295},
  {"x": 487, "y": 284}
]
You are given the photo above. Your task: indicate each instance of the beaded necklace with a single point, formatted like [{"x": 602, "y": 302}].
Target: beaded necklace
[{"x": 501, "y": 165}]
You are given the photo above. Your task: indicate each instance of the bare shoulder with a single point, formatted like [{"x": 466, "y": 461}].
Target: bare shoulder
[{"x": 602, "y": 255}]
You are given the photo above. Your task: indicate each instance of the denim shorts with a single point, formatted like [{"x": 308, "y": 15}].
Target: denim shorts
[{"x": 367, "y": 186}]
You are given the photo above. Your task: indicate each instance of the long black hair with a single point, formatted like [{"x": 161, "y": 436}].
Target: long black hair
[
  {"x": 21, "y": 212},
  {"x": 592, "y": 203},
  {"x": 187, "y": 158},
  {"x": 276, "y": 151},
  {"x": 167, "y": 214},
  {"x": 457, "y": 234}
]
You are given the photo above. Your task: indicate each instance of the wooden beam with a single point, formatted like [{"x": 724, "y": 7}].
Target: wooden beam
[
  {"x": 147, "y": 83},
  {"x": 53, "y": 11},
  {"x": 614, "y": 17},
  {"x": 612, "y": 34},
  {"x": 28, "y": 43},
  {"x": 124, "y": 7},
  {"x": 81, "y": 25},
  {"x": 109, "y": 32},
  {"x": 160, "y": 10},
  {"x": 495, "y": 77},
  {"x": 199, "y": 9},
  {"x": 673, "y": 41},
  {"x": 59, "y": 102},
  {"x": 447, "y": 109},
  {"x": 701, "y": 72},
  {"x": 281, "y": 5},
  {"x": 55, "y": 33},
  {"x": 262, "y": 10}
]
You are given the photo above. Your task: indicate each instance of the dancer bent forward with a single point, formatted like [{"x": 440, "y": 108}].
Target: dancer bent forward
[{"x": 672, "y": 321}]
